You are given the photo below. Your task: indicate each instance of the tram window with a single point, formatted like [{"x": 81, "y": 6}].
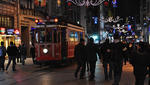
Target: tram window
[
  {"x": 71, "y": 35},
  {"x": 81, "y": 34},
  {"x": 76, "y": 36},
  {"x": 58, "y": 36},
  {"x": 55, "y": 36},
  {"x": 49, "y": 36},
  {"x": 36, "y": 37},
  {"x": 42, "y": 36}
]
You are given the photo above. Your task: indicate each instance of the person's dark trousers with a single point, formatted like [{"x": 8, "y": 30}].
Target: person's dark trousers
[
  {"x": 92, "y": 69},
  {"x": 2, "y": 61},
  {"x": 19, "y": 59},
  {"x": 23, "y": 58},
  {"x": 11, "y": 58},
  {"x": 140, "y": 74},
  {"x": 108, "y": 74},
  {"x": 117, "y": 69},
  {"x": 82, "y": 72},
  {"x": 87, "y": 66},
  {"x": 77, "y": 69}
]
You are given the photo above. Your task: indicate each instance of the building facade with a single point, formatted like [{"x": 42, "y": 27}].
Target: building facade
[
  {"x": 67, "y": 11},
  {"x": 9, "y": 30},
  {"x": 145, "y": 19},
  {"x": 29, "y": 11}
]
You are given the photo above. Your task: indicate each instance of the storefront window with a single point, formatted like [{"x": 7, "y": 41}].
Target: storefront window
[
  {"x": 2, "y": 21},
  {"x": 6, "y": 21}
]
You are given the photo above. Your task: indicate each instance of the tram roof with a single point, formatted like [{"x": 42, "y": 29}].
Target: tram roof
[{"x": 58, "y": 25}]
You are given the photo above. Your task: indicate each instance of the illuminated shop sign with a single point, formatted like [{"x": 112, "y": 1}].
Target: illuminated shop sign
[
  {"x": 2, "y": 30},
  {"x": 10, "y": 31},
  {"x": 16, "y": 31}
]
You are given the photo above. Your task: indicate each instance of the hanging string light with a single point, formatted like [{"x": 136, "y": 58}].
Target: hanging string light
[{"x": 86, "y": 2}]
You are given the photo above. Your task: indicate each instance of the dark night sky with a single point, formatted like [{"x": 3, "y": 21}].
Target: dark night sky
[{"x": 128, "y": 7}]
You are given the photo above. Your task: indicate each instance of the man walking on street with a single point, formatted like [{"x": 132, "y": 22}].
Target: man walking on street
[
  {"x": 91, "y": 51},
  {"x": 117, "y": 58},
  {"x": 105, "y": 58},
  {"x": 23, "y": 53},
  {"x": 32, "y": 53},
  {"x": 2, "y": 56},
  {"x": 80, "y": 57},
  {"x": 12, "y": 53}
]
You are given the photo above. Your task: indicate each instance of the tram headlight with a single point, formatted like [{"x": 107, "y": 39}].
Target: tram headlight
[{"x": 45, "y": 50}]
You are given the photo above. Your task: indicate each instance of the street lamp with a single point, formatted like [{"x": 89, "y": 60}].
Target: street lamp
[{"x": 86, "y": 2}]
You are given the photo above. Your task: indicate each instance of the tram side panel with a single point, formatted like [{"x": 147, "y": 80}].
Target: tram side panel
[
  {"x": 53, "y": 54},
  {"x": 71, "y": 43},
  {"x": 71, "y": 46}
]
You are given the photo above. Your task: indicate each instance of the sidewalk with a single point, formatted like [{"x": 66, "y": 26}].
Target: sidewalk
[
  {"x": 25, "y": 72},
  {"x": 31, "y": 74}
]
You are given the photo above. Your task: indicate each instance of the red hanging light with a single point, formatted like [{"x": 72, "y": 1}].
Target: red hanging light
[
  {"x": 69, "y": 3},
  {"x": 106, "y": 3}
]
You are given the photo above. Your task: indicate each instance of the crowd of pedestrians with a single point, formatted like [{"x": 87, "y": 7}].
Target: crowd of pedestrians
[
  {"x": 15, "y": 55},
  {"x": 113, "y": 56}
]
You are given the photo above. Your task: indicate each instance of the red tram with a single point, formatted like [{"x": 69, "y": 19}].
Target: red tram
[{"x": 55, "y": 43}]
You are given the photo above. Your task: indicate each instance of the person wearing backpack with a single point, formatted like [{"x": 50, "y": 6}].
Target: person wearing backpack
[{"x": 2, "y": 56}]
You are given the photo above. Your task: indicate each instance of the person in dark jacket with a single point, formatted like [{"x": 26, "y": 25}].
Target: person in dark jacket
[
  {"x": 2, "y": 56},
  {"x": 105, "y": 58},
  {"x": 19, "y": 54},
  {"x": 81, "y": 59},
  {"x": 23, "y": 53},
  {"x": 32, "y": 53},
  {"x": 92, "y": 51},
  {"x": 117, "y": 58},
  {"x": 140, "y": 61},
  {"x": 12, "y": 53}
]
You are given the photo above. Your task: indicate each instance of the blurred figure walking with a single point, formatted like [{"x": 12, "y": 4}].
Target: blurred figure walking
[
  {"x": 117, "y": 58},
  {"x": 81, "y": 59},
  {"x": 12, "y": 53},
  {"x": 32, "y": 53},
  {"x": 23, "y": 53},
  {"x": 91, "y": 53},
  {"x": 140, "y": 62},
  {"x": 105, "y": 58},
  {"x": 2, "y": 56},
  {"x": 19, "y": 54}
]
